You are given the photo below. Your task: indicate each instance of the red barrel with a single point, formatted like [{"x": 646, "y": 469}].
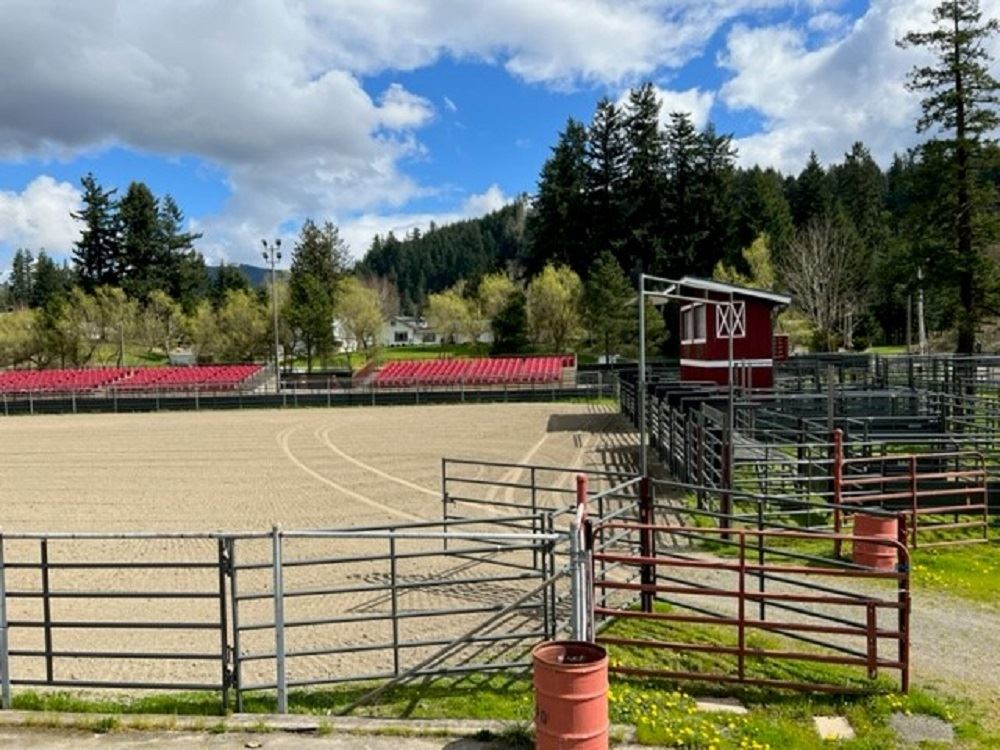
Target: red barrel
[
  {"x": 571, "y": 696},
  {"x": 870, "y": 554}
]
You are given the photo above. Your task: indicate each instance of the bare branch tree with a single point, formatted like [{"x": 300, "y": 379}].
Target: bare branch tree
[{"x": 822, "y": 272}]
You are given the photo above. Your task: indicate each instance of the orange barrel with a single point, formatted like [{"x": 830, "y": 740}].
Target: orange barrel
[
  {"x": 870, "y": 554},
  {"x": 571, "y": 696}
]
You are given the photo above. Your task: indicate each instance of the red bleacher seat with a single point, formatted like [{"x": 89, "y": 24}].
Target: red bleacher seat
[{"x": 477, "y": 371}]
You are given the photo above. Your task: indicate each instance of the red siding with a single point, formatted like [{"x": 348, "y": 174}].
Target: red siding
[{"x": 755, "y": 344}]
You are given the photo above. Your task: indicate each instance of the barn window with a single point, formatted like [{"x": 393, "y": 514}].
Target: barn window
[
  {"x": 693, "y": 324},
  {"x": 699, "y": 323},
  {"x": 731, "y": 320}
]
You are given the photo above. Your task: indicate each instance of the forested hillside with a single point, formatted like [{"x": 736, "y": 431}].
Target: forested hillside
[{"x": 419, "y": 264}]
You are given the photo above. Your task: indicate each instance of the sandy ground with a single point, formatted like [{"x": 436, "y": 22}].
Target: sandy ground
[{"x": 249, "y": 470}]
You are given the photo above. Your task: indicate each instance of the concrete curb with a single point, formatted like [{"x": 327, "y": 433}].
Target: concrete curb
[{"x": 264, "y": 723}]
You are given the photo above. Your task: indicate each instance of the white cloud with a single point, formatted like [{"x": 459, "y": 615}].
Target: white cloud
[
  {"x": 269, "y": 91},
  {"x": 825, "y": 98},
  {"x": 450, "y": 105},
  {"x": 694, "y": 102},
  {"x": 827, "y": 22},
  {"x": 39, "y": 216}
]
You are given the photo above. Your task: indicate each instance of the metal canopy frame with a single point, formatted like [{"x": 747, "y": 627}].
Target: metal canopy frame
[{"x": 674, "y": 292}]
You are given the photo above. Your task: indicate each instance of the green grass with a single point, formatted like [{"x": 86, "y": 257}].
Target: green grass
[
  {"x": 663, "y": 713},
  {"x": 969, "y": 571}
]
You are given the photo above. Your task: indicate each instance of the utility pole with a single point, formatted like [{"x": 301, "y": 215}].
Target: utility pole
[{"x": 272, "y": 254}]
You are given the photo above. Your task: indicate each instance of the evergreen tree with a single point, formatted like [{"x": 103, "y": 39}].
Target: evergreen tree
[
  {"x": 228, "y": 278},
  {"x": 186, "y": 277},
  {"x": 143, "y": 266},
  {"x": 605, "y": 151},
  {"x": 22, "y": 276},
  {"x": 961, "y": 96},
  {"x": 606, "y": 299},
  {"x": 510, "y": 326},
  {"x": 319, "y": 252},
  {"x": 645, "y": 180},
  {"x": 811, "y": 194},
  {"x": 761, "y": 208},
  {"x": 50, "y": 281},
  {"x": 557, "y": 224},
  {"x": 95, "y": 256},
  {"x": 318, "y": 262}
]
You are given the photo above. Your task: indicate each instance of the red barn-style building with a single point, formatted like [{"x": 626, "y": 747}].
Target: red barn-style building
[{"x": 705, "y": 329}]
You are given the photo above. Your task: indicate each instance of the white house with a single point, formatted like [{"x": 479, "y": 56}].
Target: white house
[{"x": 403, "y": 330}]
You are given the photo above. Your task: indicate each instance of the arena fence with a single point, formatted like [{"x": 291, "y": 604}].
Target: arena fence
[
  {"x": 591, "y": 386},
  {"x": 510, "y": 563},
  {"x": 239, "y": 612}
]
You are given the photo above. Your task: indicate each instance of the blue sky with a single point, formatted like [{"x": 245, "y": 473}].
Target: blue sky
[{"x": 389, "y": 115}]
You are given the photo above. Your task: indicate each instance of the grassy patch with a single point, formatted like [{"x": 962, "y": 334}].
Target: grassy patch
[
  {"x": 663, "y": 713},
  {"x": 188, "y": 704},
  {"x": 970, "y": 572}
]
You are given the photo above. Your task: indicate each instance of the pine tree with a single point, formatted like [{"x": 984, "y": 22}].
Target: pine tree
[
  {"x": 761, "y": 208},
  {"x": 960, "y": 100},
  {"x": 319, "y": 260},
  {"x": 645, "y": 180},
  {"x": 811, "y": 193},
  {"x": 606, "y": 298},
  {"x": 142, "y": 263},
  {"x": 185, "y": 275},
  {"x": 557, "y": 224},
  {"x": 50, "y": 282},
  {"x": 21, "y": 279},
  {"x": 605, "y": 178},
  {"x": 96, "y": 253}
]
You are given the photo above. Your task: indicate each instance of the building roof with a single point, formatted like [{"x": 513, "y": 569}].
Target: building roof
[{"x": 694, "y": 282}]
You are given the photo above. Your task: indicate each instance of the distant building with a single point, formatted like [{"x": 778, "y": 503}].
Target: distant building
[
  {"x": 402, "y": 330},
  {"x": 706, "y": 329},
  {"x": 406, "y": 330}
]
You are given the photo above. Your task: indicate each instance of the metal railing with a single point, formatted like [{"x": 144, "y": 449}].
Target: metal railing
[
  {"x": 238, "y": 612},
  {"x": 694, "y": 593}
]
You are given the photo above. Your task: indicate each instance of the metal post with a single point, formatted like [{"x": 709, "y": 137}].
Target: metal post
[
  {"x": 46, "y": 610},
  {"x": 4, "y": 634},
  {"x": 838, "y": 480},
  {"x": 642, "y": 374},
  {"x": 234, "y": 608},
  {"x": 742, "y": 604},
  {"x": 577, "y": 557},
  {"x": 914, "y": 496},
  {"x": 279, "y": 622},
  {"x": 224, "y": 625},
  {"x": 395, "y": 604},
  {"x": 646, "y": 543}
]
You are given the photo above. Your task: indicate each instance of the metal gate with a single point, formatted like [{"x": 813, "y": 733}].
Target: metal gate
[{"x": 748, "y": 600}]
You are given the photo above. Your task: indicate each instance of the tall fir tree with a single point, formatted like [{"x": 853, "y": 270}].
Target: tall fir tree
[
  {"x": 645, "y": 180},
  {"x": 95, "y": 256},
  {"x": 960, "y": 101},
  {"x": 186, "y": 277},
  {"x": 605, "y": 178},
  {"x": 811, "y": 193},
  {"x": 142, "y": 264},
  {"x": 557, "y": 225},
  {"x": 50, "y": 282},
  {"x": 319, "y": 260},
  {"x": 22, "y": 279}
]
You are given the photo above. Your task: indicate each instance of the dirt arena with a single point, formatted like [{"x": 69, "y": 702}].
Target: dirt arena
[{"x": 246, "y": 471}]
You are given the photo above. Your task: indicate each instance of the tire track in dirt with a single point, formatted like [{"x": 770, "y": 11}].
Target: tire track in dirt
[
  {"x": 282, "y": 439},
  {"x": 323, "y": 434}
]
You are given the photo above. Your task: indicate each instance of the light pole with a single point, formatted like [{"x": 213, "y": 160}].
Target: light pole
[{"x": 272, "y": 254}]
